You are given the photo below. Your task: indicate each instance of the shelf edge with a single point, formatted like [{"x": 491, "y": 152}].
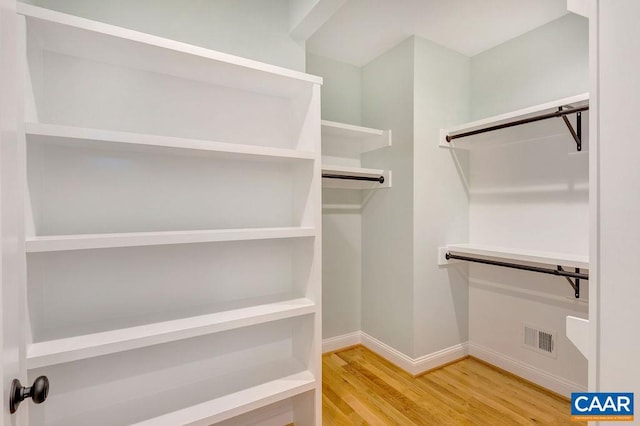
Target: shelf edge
[
  {"x": 139, "y": 239},
  {"x": 52, "y": 352}
]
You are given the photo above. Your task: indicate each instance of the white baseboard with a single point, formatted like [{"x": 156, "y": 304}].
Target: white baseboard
[
  {"x": 440, "y": 358},
  {"x": 540, "y": 377},
  {"x": 387, "y": 352},
  {"x": 412, "y": 366},
  {"x": 419, "y": 365},
  {"x": 437, "y": 359},
  {"x": 336, "y": 343}
]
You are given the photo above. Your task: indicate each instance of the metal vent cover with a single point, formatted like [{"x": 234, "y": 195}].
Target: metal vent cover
[{"x": 539, "y": 340}]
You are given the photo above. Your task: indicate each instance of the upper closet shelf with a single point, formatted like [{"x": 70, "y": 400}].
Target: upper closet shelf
[
  {"x": 548, "y": 258},
  {"x": 69, "y": 135},
  {"x": 343, "y": 177},
  {"x": 362, "y": 139},
  {"x": 536, "y": 122},
  {"x": 74, "y": 36}
]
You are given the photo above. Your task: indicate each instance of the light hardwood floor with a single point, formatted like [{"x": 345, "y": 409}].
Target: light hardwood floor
[{"x": 360, "y": 388}]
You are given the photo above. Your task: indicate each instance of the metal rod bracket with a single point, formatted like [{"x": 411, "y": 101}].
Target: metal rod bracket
[
  {"x": 577, "y": 135},
  {"x": 574, "y": 284}
]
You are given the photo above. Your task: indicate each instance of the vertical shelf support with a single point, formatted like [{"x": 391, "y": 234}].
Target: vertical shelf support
[
  {"x": 577, "y": 135},
  {"x": 574, "y": 284}
]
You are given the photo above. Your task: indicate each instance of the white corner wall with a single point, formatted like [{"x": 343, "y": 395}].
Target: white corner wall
[
  {"x": 441, "y": 98},
  {"x": 387, "y": 221},
  {"x": 618, "y": 199},
  {"x": 254, "y": 29},
  {"x": 531, "y": 196}
]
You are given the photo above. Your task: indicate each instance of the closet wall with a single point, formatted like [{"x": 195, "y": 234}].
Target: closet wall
[
  {"x": 341, "y": 228},
  {"x": 387, "y": 222},
  {"x": 531, "y": 195},
  {"x": 252, "y": 29},
  {"x": 441, "y": 98}
]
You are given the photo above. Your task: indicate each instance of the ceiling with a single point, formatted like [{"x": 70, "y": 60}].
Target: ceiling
[{"x": 363, "y": 29}]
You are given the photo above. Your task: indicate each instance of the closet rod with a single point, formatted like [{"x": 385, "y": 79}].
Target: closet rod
[
  {"x": 555, "y": 114},
  {"x": 348, "y": 177},
  {"x": 559, "y": 272}
]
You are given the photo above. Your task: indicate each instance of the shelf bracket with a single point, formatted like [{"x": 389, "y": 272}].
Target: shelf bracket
[
  {"x": 576, "y": 133},
  {"x": 574, "y": 284}
]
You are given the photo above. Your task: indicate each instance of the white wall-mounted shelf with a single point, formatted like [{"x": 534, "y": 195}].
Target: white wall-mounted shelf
[
  {"x": 69, "y": 135},
  {"x": 356, "y": 172},
  {"x": 358, "y": 138},
  {"x": 342, "y": 148},
  {"x": 577, "y": 330},
  {"x": 527, "y": 132},
  {"x": 518, "y": 255},
  {"x": 74, "y": 36},
  {"x": 53, "y": 352},
  {"x": 237, "y": 403},
  {"x": 136, "y": 239}
]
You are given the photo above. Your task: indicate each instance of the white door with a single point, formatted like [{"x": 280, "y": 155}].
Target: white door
[{"x": 11, "y": 249}]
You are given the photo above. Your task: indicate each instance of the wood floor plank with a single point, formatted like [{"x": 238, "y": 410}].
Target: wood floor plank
[
  {"x": 432, "y": 407},
  {"x": 361, "y": 388}
]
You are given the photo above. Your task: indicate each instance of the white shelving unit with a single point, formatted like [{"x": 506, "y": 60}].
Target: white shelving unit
[
  {"x": 172, "y": 229},
  {"x": 342, "y": 147},
  {"x": 527, "y": 132}
]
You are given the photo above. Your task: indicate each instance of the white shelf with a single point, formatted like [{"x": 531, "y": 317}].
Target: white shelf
[
  {"x": 355, "y": 171},
  {"x": 363, "y": 139},
  {"x": 51, "y": 133},
  {"x": 577, "y": 330},
  {"x": 136, "y": 239},
  {"x": 531, "y": 131},
  {"x": 75, "y": 36},
  {"x": 519, "y": 255},
  {"x": 81, "y": 347},
  {"x": 235, "y": 404}
]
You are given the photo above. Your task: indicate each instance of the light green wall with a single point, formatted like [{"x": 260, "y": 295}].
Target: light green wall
[
  {"x": 441, "y": 98},
  {"x": 550, "y": 62},
  {"x": 341, "y": 230},
  {"x": 254, "y": 29},
  {"x": 387, "y": 220},
  {"x": 341, "y": 89}
]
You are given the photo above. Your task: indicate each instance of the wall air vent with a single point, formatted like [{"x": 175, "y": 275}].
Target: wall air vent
[{"x": 539, "y": 340}]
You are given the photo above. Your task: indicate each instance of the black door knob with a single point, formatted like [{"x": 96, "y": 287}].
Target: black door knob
[{"x": 37, "y": 392}]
